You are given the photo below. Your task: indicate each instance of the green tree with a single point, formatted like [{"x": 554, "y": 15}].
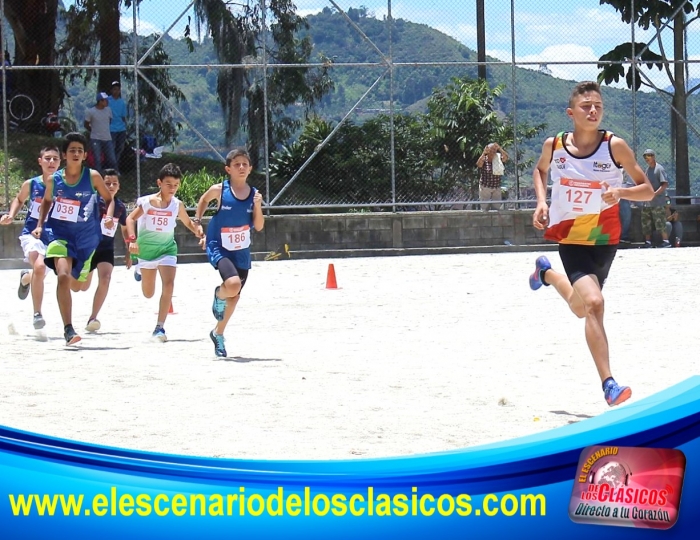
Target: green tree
[
  {"x": 93, "y": 37},
  {"x": 434, "y": 153},
  {"x": 355, "y": 165},
  {"x": 464, "y": 119},
  {"x": 33, "y": 24},
  {"x": 658, "y": 14},
  {"x": 238, "y": 35}
]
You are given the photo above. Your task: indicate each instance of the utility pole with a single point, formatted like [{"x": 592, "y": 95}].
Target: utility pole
[{"x": 480, "y": 39}]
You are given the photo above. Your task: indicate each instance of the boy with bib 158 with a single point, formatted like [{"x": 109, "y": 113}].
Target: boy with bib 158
[{"x": 156, "y": 216}]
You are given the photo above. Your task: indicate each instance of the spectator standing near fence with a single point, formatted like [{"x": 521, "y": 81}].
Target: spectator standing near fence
[
  {"x": 586, "y": 167},
  {"x": 9, "y": 75},
  {"x": 490, "y": 165},
  {"x": 654, "y": 213},
  {"x": 674, "y": 226},
  {"x": 97, "y": 122},
  {"x": 117, "y": 127},
  {"x": 626, "y": 214}
]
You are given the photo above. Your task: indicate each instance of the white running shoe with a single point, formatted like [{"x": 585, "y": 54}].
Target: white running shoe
[{"x": 93, "y": 325}]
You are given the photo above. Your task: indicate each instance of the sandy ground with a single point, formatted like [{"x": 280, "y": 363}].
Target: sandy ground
[{"x": 411, "y": 355}]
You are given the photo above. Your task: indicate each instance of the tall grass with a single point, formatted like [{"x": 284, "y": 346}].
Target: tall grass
[
  {"x": 194, "y": 184},
  {"x": 10, "y": 183}
]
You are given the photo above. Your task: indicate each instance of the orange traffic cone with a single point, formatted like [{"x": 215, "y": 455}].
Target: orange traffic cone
[
  {"x": 171, "y": 311},
  {"x": 331, "y": 283}
]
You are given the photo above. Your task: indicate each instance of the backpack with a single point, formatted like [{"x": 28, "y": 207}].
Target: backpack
[{"x": 148, "y": 143}]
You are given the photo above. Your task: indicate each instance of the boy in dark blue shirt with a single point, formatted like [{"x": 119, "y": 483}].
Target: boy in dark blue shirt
[
  {"x": 239, "y": 208},
  {"x": 103, "y": 259}
]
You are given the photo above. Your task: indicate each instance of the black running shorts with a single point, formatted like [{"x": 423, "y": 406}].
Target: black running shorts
[
  {"x": 582, "y": 261},
  {"x": 106, "y": 255},
  {"x": 228, "y": 270}
]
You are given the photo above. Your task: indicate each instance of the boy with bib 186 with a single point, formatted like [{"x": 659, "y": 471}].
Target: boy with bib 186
[
  {"x": 228, "y": 237},
  {"x": 586, "y": 167}
]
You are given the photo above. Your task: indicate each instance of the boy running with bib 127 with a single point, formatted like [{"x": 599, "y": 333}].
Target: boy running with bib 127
[
  {"x": 586, "y": 167},
  {"x": 228, "y": 237}
]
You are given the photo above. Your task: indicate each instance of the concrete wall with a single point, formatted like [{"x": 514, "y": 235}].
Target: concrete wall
[{"x": 379, "y": 233}]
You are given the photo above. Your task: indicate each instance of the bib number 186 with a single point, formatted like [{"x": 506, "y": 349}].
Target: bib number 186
[{"x": 235, "y": 238}]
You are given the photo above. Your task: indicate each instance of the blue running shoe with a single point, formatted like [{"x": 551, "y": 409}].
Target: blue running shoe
[
  {"x": 159, "y": 334},
  {"x": 616, "y": 394},
  {"x": 218, "y": 306},
  {"x": 542, "y": 263},
  {"x": 219, "y": 347},
  {"x": 137, "y": 274}
]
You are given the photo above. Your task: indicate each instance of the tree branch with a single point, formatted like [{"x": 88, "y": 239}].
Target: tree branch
[{"x": 657, "y": 25}]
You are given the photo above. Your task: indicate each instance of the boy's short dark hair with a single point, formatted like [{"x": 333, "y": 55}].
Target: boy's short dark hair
[
  {"x": 237, "y": 152},
  {"x": 49, "y": 148},
  {"x": 73, "y": 136},
  {"x": 583, "y": 87},
  {"x": 170, "y": 169},
  {"x": 111, "y": 172}
]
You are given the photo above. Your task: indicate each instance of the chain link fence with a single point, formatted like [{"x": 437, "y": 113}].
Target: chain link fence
[{"x": 382, "y": 106}]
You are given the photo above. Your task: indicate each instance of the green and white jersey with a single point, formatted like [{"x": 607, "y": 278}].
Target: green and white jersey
[{"x": 156, "y": 228}]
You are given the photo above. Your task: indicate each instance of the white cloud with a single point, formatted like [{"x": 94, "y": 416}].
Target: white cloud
[
  {"x": 309, "y": 11},
  {"x": 551, "y": 55},
  {"x": 144, "y": 28},
  {"x": 557, "y": 53},
  {"x": 464, "y": 33}
]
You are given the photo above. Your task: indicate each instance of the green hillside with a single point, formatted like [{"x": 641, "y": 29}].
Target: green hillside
[{"x": 540, "y": 98}]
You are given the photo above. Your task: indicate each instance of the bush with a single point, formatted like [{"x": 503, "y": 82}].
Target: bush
[
  {"x": 194, "y": 184},
  {"x": 11, "y": 183}
]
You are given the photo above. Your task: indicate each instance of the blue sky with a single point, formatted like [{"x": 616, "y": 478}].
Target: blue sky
[{"x": 546, "y": 31}]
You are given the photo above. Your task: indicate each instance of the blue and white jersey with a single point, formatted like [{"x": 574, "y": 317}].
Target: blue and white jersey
[
  {"x": 37, "y": 188},
  {"x": 228, "y": 233},
  {"x": 74, "y": 214}
]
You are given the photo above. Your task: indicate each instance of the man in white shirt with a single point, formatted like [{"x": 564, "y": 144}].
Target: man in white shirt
[{"x": 97, "y": 121}]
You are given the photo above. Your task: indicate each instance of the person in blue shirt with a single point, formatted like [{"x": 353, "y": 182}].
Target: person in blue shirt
[
  {"x": 117, "y": 127},
  {"x": 228, "y": 237},
  {"x": 70, "y": 204},
  {"x": 32, "y": 193},
  {"x": 9, "y": 75}
]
